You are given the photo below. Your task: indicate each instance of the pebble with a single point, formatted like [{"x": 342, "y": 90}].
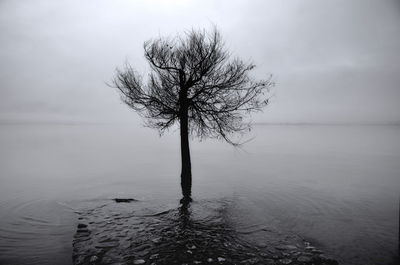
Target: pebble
[
  {"x": 93, "y": 259},
  {"x": 220, "y": 259},
  {"x": 315, "y": 251},
  {"x": 291, "y": 247},
  {"x": 285, "y": 261},
  {"x": 139, "y": 261},
  {"x": 209, "y": 260},
  {"x": 191, "y": 246}
]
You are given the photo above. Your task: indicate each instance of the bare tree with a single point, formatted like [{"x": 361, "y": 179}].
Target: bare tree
[{"x": 195, "y": 83}]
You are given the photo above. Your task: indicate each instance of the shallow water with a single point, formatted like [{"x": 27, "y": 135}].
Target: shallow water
[
  {"x": 335, "y": 186},
  {"x": 203, "y": 231}
]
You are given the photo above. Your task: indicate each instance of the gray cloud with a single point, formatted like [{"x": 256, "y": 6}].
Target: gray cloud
[{"x": 332, "y": 60}]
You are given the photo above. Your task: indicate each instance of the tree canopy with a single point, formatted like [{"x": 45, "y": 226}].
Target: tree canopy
[{"x": 193, "y": 75}]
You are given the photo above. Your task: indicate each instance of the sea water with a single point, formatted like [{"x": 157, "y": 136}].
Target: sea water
[{"x": 335, "y": 186}]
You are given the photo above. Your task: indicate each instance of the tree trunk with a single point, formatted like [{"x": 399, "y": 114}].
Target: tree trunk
[{"x": 186, "y": 173}]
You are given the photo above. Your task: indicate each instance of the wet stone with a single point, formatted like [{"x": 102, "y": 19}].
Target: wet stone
[
  {"x": 304, "y": 259},
  {"x": 285, "y": 261},
  {"x": 291, "y": 247},
  {"x": 316, "y": 251},
  {"x": 93, "y": 259},
  {"x": 309, "y": 248},
  {"x": 191, "y": 246},
  {"x": 131, "y": 234},
  {"x": 80, "y": 225},
  {"x": 79, "y": 260},
  {"x": 82, "y": 231}
]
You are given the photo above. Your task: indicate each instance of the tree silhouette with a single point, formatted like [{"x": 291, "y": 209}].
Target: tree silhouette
[{"x": 194, "y": 82}]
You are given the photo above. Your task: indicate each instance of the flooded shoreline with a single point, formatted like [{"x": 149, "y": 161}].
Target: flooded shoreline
[{"x": 195, "y": 233}]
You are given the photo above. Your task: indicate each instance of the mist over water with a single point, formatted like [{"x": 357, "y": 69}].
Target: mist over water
[{"x": 335, "y": 186}]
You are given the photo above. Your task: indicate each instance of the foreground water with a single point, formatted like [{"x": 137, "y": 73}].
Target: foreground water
[{"x": 336, "y": 187}]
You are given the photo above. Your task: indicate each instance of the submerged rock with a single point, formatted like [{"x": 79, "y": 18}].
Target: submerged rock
[
  {"x": 118, "y": 200},
  {"x": 80, "y": 225}
]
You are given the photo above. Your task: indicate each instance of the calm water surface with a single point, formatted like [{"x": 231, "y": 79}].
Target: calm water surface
[{"x": 336, "y": 186}]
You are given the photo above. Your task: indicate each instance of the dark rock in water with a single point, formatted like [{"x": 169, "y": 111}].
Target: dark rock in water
[
  {"x": 82, "y": 226},
  {"x": 118, "y": 200},
  {"x": 83, "y": 231}
]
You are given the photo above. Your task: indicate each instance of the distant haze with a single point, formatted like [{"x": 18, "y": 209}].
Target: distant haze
[{"x": 332, "y": 61}]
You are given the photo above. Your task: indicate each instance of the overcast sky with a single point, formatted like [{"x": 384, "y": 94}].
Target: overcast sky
[{"x": 332, "y": 60}]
